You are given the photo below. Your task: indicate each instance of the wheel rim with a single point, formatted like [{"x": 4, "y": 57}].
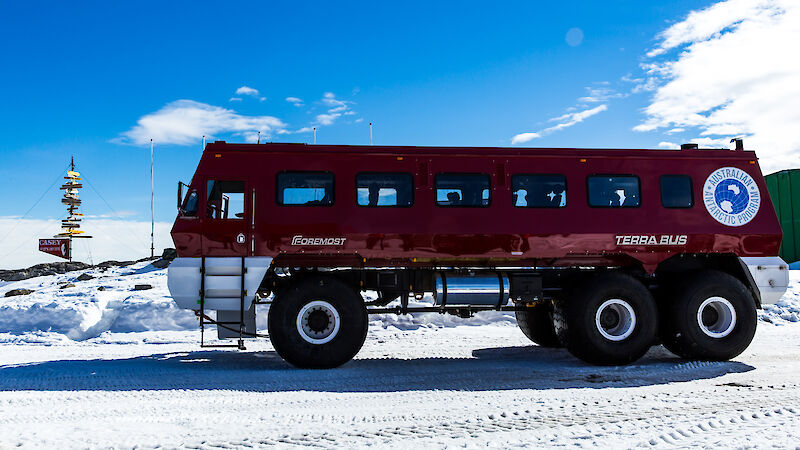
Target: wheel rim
[
  {"x": 318, "y": 322},
  {"x": 615, "y": 319},
  {"x": 716, "y": 317}
]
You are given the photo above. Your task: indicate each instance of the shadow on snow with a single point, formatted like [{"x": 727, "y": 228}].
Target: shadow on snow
[{"x": 499, "y": 368}]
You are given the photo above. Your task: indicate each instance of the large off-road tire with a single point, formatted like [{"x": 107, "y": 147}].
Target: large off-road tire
[
  {"x": 712, "y": 316},
  {"x": 318, "y": 323},
  {"x": 611, "y": 319},
  {"x": 537, "y": 324}
]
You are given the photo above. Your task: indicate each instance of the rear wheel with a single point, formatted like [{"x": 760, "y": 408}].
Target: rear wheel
[
  {"x": 610, "y": 320},
  {"x": 713, "y": 316},
  {"x": 537, "y": 324},
  {"x": 318, "y": 323}
]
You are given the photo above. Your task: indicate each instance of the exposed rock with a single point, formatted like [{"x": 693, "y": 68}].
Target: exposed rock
[
  {"x": 169, "y": 254},
  {"x": 161, "y": 263},
  {"x": 15, "y": 292},
  {"x": 85, "y": 277},
  {"x": 40, "y": 270},
  {"x": 101, "y": 288},
  {"x": 66, "y": 285},
  {"x": 142, "y": 287}
]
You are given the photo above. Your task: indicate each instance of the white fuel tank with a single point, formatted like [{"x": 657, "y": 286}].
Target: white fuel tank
[{"x": 223, "y": 280}]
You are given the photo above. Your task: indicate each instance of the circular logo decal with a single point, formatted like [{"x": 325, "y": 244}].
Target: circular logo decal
[{"x": 731, "y": 196}]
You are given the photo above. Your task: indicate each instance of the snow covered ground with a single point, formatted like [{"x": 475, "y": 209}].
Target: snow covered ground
[{"x": 82, "y": 367}]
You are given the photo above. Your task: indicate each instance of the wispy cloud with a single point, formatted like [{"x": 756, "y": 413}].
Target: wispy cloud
[
  {"x": 327, "y": 119},
  {"x": 182, "y": 122},
  {"x": 598, "y": 94},
  {"x": 295, "y": 101},
  {"x": 730, "y": 70},
  {"x": 336, "y": 108},
  {"x": 564, "y": 121}
]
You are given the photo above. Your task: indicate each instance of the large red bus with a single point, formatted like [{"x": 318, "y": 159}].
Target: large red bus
[{"x": 605, "y": 252}]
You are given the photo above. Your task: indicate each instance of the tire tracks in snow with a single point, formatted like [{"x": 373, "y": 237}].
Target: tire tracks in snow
[{"x": 705, "y": 417}]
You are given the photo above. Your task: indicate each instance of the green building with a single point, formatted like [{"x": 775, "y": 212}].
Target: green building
[{"x": 784, "y": 189}]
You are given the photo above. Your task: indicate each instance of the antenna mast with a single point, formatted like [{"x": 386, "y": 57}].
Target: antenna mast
[
  {"x": 152, "y": 204},
  {"x": 370, "y": 133}
]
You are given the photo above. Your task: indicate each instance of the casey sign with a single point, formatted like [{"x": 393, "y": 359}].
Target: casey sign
[{"x": 57, "y": 247}]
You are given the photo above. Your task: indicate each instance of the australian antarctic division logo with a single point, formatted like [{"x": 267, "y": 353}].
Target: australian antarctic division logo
[{"x": 731, "y": 196}]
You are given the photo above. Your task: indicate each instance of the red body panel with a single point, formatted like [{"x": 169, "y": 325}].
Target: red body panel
[{"x": 499, "y": 235}]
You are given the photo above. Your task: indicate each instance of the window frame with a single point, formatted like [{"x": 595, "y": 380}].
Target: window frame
[
  {"x": 566, "y": 190},
  {"x": 278, "y": 190},
  {"x": 436, "y": 188},
  {"x": 244, "y": 198},
  {"x": 691, "y": 190},
  {"x": 410, "y": 177},
  {"x": 611, "y": 175}
]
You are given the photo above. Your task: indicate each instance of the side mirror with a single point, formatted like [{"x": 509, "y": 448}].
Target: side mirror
[{"x": 180, "y": 194}]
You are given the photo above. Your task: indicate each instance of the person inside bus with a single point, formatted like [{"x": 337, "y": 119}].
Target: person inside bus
[
  {"x": 453, "y": 198},
  {"x": 374, "y": 192}
]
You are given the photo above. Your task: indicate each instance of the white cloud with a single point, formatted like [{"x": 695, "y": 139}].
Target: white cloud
[
  {"x": 597, "y": 94},
  {"x": 246, "y": 90},
  {"x": 570, "y": 119},
  {"x": 235, "y": 99},
  {"x": 327, "y": 119},
  {"x": 600, "y": 92},
  {"x": 295, "y": 101},
  {"x": 670, "y": 145},
  {"x": 112, "y": 239},
  {"x": 115, "y": 214},
  {"x": 336, "y": 109},
  {"x": 731, "y": 70},
  {"x": 182, "y": 122},
  {"x": 330, "y": 99},
  {"x": 524, "y": 137}
]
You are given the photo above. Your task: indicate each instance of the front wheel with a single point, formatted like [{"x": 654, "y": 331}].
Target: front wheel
[
  {"x": 610, "y": 320},
  {"x": 318, "y": 323},
  {"x": 713, "y": 317}
]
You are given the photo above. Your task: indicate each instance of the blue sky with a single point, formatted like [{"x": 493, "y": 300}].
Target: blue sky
[{"x": 78, "y": 78}]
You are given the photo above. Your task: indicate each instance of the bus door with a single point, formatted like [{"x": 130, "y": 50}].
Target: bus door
[{"x": 226, "y": 228}]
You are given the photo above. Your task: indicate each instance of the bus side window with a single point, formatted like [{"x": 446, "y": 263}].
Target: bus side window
[
  {"x": 463, "y": 189},
  {"x": 225, "y": 199},
  {"x": 613, "y": 191},
  {"x": 384, "y": 189},
  {"x": 676, "y": 191},
  {"x": 539, "y": 191},
  {"x": 305, "y": 188}
]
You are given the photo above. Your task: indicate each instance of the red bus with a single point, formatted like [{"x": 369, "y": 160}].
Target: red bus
[{"x": 603, "y": 251}]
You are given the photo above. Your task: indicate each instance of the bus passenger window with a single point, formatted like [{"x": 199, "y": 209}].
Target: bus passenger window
[
  {"x": 539, "y": 191},
  {"x": 676, "y": 191},
  {"x": 463, "y": 189},
  {"x": 225, "y": 199},
  {"x": 384, "y": 189},
  {"x": 613, "y": 191},
  {"x": 305, "y": 188}
]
